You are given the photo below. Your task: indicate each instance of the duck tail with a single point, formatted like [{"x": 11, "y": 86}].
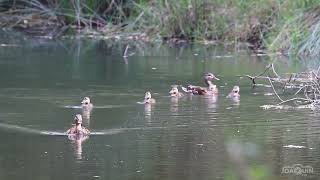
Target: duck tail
[{"x": 185, "y": 89}]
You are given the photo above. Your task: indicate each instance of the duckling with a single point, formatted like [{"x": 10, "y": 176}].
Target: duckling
[
  {"x": 198, "y": 90},
  {"x": 78, "y": 129},
  {"x": 148, "y": 99},
  {"x": 86, "y": 103},
  {"x": 175, "y": 92},
  {"x": 235, "y": 93},
  {"x": 86, "y": 109}
]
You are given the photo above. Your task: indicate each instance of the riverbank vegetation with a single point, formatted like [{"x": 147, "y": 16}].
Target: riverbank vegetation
[{"x": 286, "y": 26}]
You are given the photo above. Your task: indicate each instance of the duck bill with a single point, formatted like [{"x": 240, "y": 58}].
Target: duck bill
[{"x": 216, "y": 78}]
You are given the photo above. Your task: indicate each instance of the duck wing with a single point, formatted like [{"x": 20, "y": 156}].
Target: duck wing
[
  {"x": 196, "y": 90},
  {"x": 187, "y": 89},
  {"x": 199, "y": 90}
]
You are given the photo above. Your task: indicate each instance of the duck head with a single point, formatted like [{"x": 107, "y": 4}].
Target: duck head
[
  {"x": 236, "y": 89},
  {"x": 174, "y": 92},
  {"x": 235, "y": 92},
  {"x": 78, "y": 119},
  {"x": 147, "y": 96},
  {"x": 210, "y": 77},
  {"x": 148, "y": 99},
  {"x": 86, "y": 101}
]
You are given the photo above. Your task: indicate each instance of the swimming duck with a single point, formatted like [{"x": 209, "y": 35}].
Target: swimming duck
[
  {"x": 148, "y": 99},
  {"x": 86, "y": 103},
  {"x": 78, "y": 129},
  {"x": 235, "y": 93},
  {"x": 175, "y": 92},
  {"x": 86, "y": 109},
  {"x": 198, "y": 90}
]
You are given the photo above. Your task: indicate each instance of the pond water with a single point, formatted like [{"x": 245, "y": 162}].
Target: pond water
[{"x": 195, "y": 137}]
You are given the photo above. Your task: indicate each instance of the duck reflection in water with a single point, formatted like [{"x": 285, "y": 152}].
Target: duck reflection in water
[
  {"x": 78, "y": 134},
  {"x": 148, "y": 112},
  {"x": 211, "y": 102},
  {"x": 77, "y": 141},
  {"x": 174, "y": 105}
]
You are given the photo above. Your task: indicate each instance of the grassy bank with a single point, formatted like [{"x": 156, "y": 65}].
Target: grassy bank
[{"x": 277, "y": 25}]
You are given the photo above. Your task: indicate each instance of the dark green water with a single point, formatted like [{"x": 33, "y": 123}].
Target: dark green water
[{"x": 193, "y": 138}]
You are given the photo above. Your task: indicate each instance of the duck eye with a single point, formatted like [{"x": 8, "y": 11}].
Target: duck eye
[{"x": 86, "y": 103}]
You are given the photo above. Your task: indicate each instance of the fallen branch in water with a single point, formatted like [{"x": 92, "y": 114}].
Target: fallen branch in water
[
  {"x": 275, "y": 92},
  {"x": 304, "y": 83},
  {"x": 125, "y": 54},
  {"x": 257, "y": 76}
]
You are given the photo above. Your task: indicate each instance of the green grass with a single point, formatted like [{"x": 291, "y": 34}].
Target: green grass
[{"x": 278, "y": 25}]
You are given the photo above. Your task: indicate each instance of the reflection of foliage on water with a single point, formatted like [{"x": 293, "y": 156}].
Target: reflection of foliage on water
[{"x": 255, "y": 172}]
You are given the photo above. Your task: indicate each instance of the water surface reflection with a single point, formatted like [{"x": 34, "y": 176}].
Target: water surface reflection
[{"x": 192, "y": 137}]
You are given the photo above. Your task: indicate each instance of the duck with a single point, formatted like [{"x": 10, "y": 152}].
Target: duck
[
  {"x": 78, "y": 129},
  {"x": 86, "y": 109},
  {"x": 198, "y": 90},
  {"x": 86, "y": 103},
  {"x": 148, "y": 98},
  {"x": 235, "y": 92},
  {"x": 174, "y": 92}
]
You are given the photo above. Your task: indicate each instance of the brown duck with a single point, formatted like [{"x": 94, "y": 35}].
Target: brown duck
[{"x": 198, "y": 90}]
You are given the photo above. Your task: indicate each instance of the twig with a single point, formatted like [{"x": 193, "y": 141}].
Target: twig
[
  {"x": 306, "y": 94},
  {"x": 318, "y": 69},
  {"x": 254, "y": 77},
  {"x": 299, "y": 90},
  {"x": 268, "y": 67},
  {"x": 293, "y": 99},
  {"x": 125, "y": 54},
  {"x": 275, "y": 92},
  {"x": 284, "y": 86},
  {"x": 274, "y": 71}
]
